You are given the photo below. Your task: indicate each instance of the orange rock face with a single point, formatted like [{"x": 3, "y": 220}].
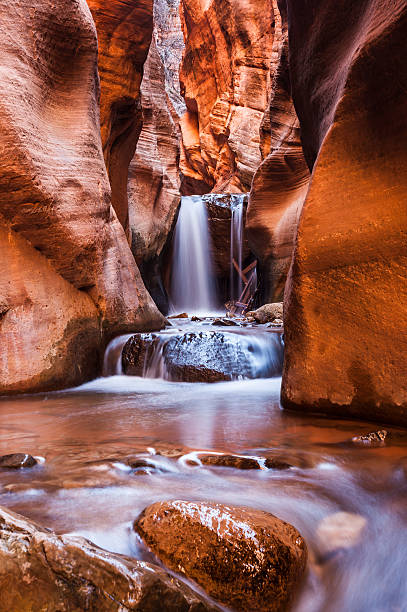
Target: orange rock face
[
  {"x": 68, "y": 278},
  {"x": 225, "y": 79},
  {"x": 346, "y": 300},
  {"x": 281, "y": 182},
  {"x": 124, "y": 33},
  {"x": 154, "y": 182}
]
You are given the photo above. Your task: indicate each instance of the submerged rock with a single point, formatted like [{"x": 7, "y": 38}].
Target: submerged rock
[
  {"x": 42, "y": 571},
  {"x": 230, "y": 461},
  {"x": 375, "y": 438},
  {"x": 17, "y": 460},
  {"x": 340, "y": 531},
  {"x": 267, "y": 313},
  {"x": 209, "y": 356},
  {"x": 245, "y": 558},
  {"x": 224, "y": 322},
  {"x": 276, "y": 464}
]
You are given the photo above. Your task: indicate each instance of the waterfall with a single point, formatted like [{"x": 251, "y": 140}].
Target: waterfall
[
  {"x": 236, "y": 245},
  {"x": 193, "y": 287}
]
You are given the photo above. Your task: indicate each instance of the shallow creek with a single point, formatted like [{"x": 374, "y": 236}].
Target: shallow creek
[{"x": 85, "y": 487}]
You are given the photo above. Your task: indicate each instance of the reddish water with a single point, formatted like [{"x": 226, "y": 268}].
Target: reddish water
[{"x": 84, "y": 488}]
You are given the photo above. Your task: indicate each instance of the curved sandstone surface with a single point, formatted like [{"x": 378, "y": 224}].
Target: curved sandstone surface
[
  {"x": 124, "y": 29},
  {"x": 280, "y": 184},
  {"x": 67, "y": 273},
  {"x": 42, "y": 571},
  {"x": 154, "y": 181},
  {"x": 245, "y": 558},
  {"x": 225, "y": 77},
  {"x": 346, "y": 300}
]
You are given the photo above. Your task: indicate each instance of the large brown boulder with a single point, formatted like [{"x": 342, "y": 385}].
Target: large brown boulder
[
  {"x": 346, "y": 299},
  {"x": 203, "y": 356},
  {"x": 67, "y": 273},
  {"x": 280, "y": 184},
  {"x": 42, "y": 571},
  {"x": 245, "y": 558},
  {"x": 225, "y": 78}
]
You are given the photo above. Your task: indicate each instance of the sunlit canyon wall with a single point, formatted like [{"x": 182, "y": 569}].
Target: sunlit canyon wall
[{"x": 68, "y": 279}]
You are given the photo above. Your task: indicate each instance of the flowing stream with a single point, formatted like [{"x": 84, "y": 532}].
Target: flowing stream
[{"x": 84, "y": 486}]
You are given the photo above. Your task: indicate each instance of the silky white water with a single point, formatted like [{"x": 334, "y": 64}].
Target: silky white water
[{"x": 193, "y": 287}]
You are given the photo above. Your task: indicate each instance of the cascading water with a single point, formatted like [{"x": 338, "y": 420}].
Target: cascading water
[
  {"x": 198, "y": 352},
  {"x": 236, "y": 245},
  {"x": 193, "y": 287}
]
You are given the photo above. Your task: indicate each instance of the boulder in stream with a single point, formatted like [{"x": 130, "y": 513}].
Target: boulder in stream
[
  {"x": 229, "y": 461},
  {"x": 267, "y": 313},
  {"x": 206, "y": 356},
  {"x": 247, "y": 559},
  {"x": 17, "y": 460},
  {"x": 42, "y": 571},
  {"x": 374, "y": 438}
]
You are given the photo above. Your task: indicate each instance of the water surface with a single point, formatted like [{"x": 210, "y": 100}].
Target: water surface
[{"x": 85, "y": 487}]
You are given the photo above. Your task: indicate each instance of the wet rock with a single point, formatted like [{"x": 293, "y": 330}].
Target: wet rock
[
  {"x": 340, "y": 531},
  {"x": 267, "y": 313},
  {"x": 245, "y": 558},
  {"x": 209, "y": 356},
  {"x": 196, "y": 319},
  {"x": 277, "y": 323},
  {"x": 137, "y": 462},
  {"x": 230, "y": 461},
  {"x": 183, "y": 315},
  {"x": 136, "y": 352},
  {"x": 272, "y": 463},
  {"x": 42, "y": 571},
  {"x": 224, "y": 322},
  {"x": 17, "y": 460},
  {"x": 375, "y": 438}
]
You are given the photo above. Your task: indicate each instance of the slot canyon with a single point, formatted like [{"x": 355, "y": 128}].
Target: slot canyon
[{"x": 203, "y": 305}]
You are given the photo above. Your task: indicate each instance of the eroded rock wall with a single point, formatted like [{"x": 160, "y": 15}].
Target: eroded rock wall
[
  {"x": 225, "y": 79},
  {"x": 154, "y": 181},
  {"x": 124, "y": 29},
  {"x": 68, "y": 279},
  {"x": 280, "y": 184},
  {"x": 346, "y": 300}
]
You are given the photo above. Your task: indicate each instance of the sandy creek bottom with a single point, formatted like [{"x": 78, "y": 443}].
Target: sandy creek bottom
[{"x": 84, "y": 488}]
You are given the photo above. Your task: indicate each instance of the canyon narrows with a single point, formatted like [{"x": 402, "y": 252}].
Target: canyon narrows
[{"x": 203, "y": 306}]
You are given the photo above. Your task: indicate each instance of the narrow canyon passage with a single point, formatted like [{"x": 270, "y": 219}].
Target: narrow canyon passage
[
  {"x": 203, "y": 306},
  {"x": 87, "y": 487}
]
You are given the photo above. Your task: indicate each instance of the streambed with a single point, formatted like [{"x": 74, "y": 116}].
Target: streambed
[{"x": 85, "y": 487}]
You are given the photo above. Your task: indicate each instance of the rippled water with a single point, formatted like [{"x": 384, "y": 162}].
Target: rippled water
[{"x": 85, "y": 487}]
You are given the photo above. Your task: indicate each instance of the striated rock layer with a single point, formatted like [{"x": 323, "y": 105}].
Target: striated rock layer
[
  {"x": 68, "y": 278},
  {"x": 225, "y": 77},
  {"x": 280, "y": 184},
  {"x": 346, "y": 300},
  {"x": 124, "y": 30},
  {"x": 154, "y": 182}
]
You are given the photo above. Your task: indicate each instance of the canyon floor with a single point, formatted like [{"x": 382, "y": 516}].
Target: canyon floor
[{"x": 112, "y": 447}]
